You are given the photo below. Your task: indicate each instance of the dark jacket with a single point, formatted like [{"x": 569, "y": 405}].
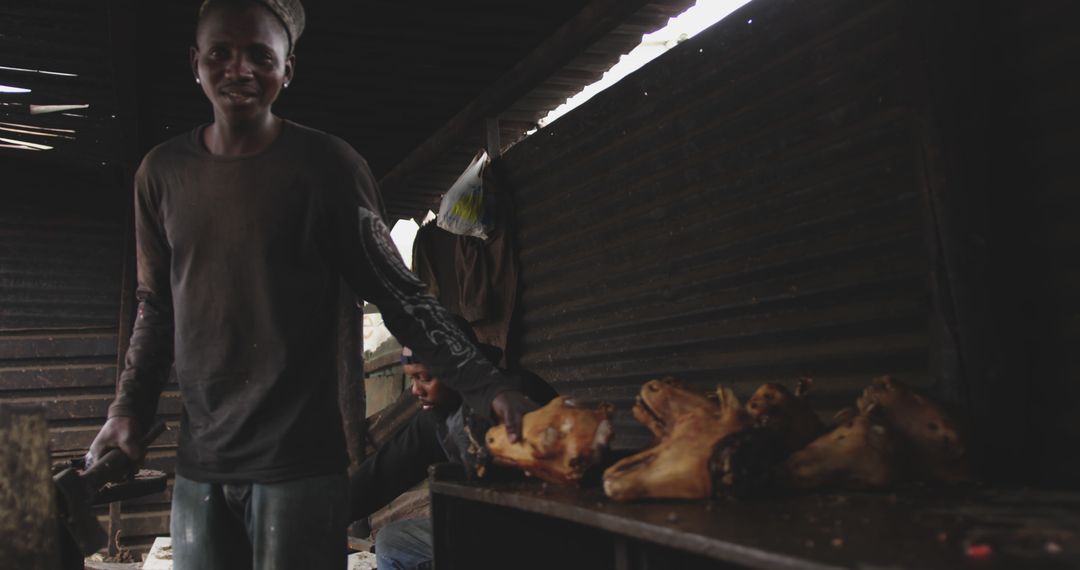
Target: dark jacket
[{"x": 429, "y": 437}]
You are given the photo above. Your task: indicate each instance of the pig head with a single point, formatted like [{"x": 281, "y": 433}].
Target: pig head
[
  {"x": 678, "y": 467},
  {"x": 661, "y": 401},
  {"x": 857, "y": 453},
  {"x": 560, "y": 440},
  {"x": 932, "y": 440},
  {"x": 774, "y": 407}
]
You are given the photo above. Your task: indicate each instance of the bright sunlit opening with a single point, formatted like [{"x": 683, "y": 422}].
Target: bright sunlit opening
[
  {"x": 679, "y": 29},
  {"x": 38, "y": 71},
  {"x": 403, "y": 234},
  {"x": 23, "y": 145},
  {"x": 42, "y": 109}
]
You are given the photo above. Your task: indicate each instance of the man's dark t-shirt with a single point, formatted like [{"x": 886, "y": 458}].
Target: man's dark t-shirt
[{"x": 239, "y": 260}]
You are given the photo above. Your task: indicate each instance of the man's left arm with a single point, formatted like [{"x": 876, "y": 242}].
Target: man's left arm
[{"x": 371, "y": 265}]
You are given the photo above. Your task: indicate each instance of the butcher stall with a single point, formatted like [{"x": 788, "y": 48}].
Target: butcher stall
[
  {"x": 864, "y": 208},
  {"x": 830, "y": 190}
]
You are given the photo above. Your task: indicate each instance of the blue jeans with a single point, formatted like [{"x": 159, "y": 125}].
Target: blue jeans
[
  {"x": 273, "y": 526},
  {"x": 404, "y": 545}
]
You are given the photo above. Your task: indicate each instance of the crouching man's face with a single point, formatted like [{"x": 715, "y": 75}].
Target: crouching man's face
[{"x": 427, "y": 388}]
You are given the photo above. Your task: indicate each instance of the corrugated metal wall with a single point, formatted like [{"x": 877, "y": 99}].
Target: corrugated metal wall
[
  {"x": 61, "y": 258},
  {"x": 60, "y": 271},
  {"x": 746, "y": 208}
]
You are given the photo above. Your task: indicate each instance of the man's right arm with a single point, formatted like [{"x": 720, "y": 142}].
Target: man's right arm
[{"x": 150, "y": 354}]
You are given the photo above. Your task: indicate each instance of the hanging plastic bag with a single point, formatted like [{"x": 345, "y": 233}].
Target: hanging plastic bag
[{"x": 465, "y": 209}]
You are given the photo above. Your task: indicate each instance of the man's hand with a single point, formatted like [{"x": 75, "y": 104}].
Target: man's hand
[
  {"x": 509, "y": 407},
  {"x": 121, "y": 433}
]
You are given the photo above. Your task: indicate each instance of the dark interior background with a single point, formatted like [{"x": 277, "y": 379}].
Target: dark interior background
[{"x": 828, "y": 188}]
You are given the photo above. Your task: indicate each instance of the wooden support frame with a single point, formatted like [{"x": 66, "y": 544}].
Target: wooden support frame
[
  {"x": 596, "y": 19},
  {"x": 352, "y": 400},
  {"x": 123, "y": 26},
  {"x": 494, "y": 145}
]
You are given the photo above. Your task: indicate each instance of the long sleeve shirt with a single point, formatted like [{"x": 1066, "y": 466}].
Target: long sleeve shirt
[{"x": 239, "y": 260}]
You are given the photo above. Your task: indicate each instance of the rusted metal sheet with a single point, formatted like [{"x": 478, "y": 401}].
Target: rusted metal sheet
[
  {"x": 743, "y": 209},
  {"x": 61, "y": 253},
  {"x": 57, "y": 274},
  {"x": 70, "y": 42}
]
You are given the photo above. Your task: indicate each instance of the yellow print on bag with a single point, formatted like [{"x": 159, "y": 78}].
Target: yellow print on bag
[{"x": 469, "y": 207}]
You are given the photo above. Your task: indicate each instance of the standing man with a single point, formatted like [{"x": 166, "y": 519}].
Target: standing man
[{"x": 244, "y": 228}]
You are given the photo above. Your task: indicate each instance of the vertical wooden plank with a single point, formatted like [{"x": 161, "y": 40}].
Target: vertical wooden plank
[
  {"x": 28, "y": 522},
  {"x": 123, "y": 23},
  {"x": 351, "y": 399},
  {"x": 494, "y": 145},
  {"x": 445, "y": 516},
  {"x": 622, "y": 553}
]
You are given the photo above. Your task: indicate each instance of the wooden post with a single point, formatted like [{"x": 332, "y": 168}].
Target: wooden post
[
  {"x": 123, "y": 23},
  {"x": 28, "y": 521},
  {"x": 351, "y": 398},
  {"x": 595, "y": 19},
  {"x": 494, "y": 145}
]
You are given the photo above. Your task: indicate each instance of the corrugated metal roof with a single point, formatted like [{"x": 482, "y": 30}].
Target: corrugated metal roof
[
  {"x": 383, "y": 75},
  {"x": 417, "y": 183},
  {"x": 61, "y": 51}
]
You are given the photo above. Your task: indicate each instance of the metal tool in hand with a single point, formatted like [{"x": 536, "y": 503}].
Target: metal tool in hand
[{"x": 76, "y": 490}]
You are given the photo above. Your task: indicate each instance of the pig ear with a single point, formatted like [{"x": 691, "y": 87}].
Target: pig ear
[
  {"x": 887, "y": 382},
  {"x": 876, "y": 413},
  {"x": 845, "y": 415},
  {"x": 727, "y": 397},
  {"x": 671, "y": 380},
  {"x": 803, "y": 385}
]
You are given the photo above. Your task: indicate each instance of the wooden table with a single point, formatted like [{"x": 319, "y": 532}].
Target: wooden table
[{"x": 532, "y": 525}]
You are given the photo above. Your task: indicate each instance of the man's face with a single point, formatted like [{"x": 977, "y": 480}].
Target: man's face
[
  {"x": 240, "y": 60},
  {"x": 425, "y": 387}
]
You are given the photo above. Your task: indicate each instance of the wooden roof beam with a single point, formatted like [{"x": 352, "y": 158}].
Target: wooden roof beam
[{"x": 594, "y": 21}]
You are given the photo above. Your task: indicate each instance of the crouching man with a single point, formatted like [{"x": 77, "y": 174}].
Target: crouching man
[{"x": 445, "y": 429}]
